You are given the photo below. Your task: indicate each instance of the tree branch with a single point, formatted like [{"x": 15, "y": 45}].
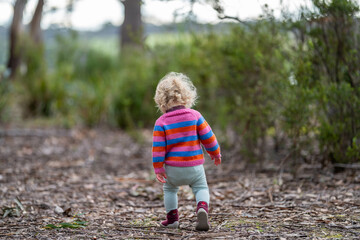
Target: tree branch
[
  {"x": 223, "y": 17},
  {"x": 221, "y": 12}
]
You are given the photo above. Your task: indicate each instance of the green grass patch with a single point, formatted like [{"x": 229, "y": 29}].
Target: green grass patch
[
  {"x": 167, "y": 39},
  {"x": 74, "y": 224},
  {"x": 107, "y": 45},
  {"x": 146, "y": 222}
]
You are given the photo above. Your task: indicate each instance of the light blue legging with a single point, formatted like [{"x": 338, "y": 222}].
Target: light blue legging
[{"x": 178, "y": 176}]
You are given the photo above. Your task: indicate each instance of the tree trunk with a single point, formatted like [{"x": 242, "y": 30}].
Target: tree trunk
[
  {"x": 35, "y": 24},
  {"x": 15, "y": 31},
  {"x": 132, "y": 27}
]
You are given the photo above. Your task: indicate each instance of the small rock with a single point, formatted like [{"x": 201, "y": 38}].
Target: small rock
[
  {"x": 58, "y": 210},
  {"x": 44, "y": 206},
  {"x": 67, "y": 212}
]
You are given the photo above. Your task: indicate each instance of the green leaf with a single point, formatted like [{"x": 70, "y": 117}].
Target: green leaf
[
  {"x": 70, "y": 225},
  {"x": 17, "y": 201},
  {"x": 51, "y": 226},
  {"x": 7, "y": 212},
  {"x": 80, "y": 223},
  {"x": 74, "y": 224}
]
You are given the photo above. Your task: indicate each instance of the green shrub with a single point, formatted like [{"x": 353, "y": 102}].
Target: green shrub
[
  {"x": 90, "y": 101},
  {"x": 92, "y": 65},
  {"x": 68, "y": 48},
  {"x": 249, "y": 79},
  {"x": 3, "y": 99},
  {"x": 254, "y": 77},
  {"x": 339, "y": 126},
  {"x": 299, "y": 122},
  {"x": 240, "y": 76},
  {"x": 132, "y": 103},
  {"x": 44, "y": 94},
  {"x": 37, "y": 87},
  {"x": 327, "y": 63}
]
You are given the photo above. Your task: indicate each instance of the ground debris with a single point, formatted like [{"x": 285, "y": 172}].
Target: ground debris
[{"x": 99, "y": 184}]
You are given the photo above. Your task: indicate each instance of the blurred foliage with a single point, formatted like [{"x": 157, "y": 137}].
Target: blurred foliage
[
  {"x": 295, "y": 83},
  {"x": 242, "y": 72},
  {"x": 327, "y": 67},
  {"x": 37, "y": 88},
  {"x": 256, "y": 79},
  {"x": 132, "y": 98},
  {"x": 339, "y": 126},
  {"x": 4, "y": 95}
]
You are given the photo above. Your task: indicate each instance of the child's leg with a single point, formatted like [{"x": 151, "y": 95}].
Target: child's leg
[
  {"x": 201, "y": 191},
  {"x": 170, "y": 197},
  {"x": 170, "y": 200},
  {"x": 171, "y": 205},
  {"x": 200, "y": 187}
]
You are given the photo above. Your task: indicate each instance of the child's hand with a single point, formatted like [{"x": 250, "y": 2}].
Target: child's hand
[
  {"x": 161, "y": 177},
  {"x": 217, "y": 161}
]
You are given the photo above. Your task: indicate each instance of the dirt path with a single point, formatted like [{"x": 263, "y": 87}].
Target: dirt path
[{"x": 99, "y": 185}]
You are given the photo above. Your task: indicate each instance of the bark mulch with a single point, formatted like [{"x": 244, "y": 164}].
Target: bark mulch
[{"x": 98, "y": 184}]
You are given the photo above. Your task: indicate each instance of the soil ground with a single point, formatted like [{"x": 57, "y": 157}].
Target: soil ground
[{"x": 98, "y": 184}]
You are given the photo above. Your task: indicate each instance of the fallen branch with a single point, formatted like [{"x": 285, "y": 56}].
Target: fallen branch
[
  {"x": 343, "y": 203},
  {"x": 122, "y": 179},
  {"x": 341, "y": 228},
  {"x": 345, "y": 227},
  {"x": 270, "y": 195},
  {"x": 294, "y": 216},
  {"x": 347, "y": 166},
  {"x": 33, "y": 133},
  {"x": 220, "y": 225},
  {"x": 141, "y": 229}
]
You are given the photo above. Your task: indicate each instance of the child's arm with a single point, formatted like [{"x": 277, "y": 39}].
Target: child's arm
[
  {"x": 159, "y": 150},
  {"x": 208, "y": 139},
  {"x": 217, "y": 161},
  {"x": 161, "y": 177}
]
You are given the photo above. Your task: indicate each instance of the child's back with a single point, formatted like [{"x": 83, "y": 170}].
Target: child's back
[
  {"x": 177, "y": 137},
  {"x": 177, "y": 154}
]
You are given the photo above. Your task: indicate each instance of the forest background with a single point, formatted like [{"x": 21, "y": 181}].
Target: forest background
[
  {"x": 275, "y": 89},
  {"x": 281, "y": 91}
]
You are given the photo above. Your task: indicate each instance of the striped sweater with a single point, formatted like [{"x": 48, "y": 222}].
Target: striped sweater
[{"x": 176, "y": 139}]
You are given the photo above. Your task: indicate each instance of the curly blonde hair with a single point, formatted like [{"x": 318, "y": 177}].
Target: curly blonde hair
[{"x": 175, "y": 89}]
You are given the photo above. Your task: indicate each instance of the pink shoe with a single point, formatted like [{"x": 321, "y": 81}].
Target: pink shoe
[
  {"x": 172, "y": 219},
  {"x": 202, "y": 223}
]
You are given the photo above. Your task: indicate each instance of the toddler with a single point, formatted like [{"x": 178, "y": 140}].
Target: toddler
[{"x": 177, "y": 155}]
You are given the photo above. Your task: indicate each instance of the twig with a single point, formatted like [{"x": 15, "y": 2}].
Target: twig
[
  {"x": 293, "y": 216},
  {"x": 145, "y": 237},
  {"x": 188, "y": 236},
  {"x": 222, "y": 17},
  {"x": 342, "y": 229},
  {"x": 221, "y": 214},
  {"x": 352, "y": 226},
  {"x": 140, "y": 228},
  {"x": 228, "y": 179},
  {"x": 262, "y": 206},
  {"x": 263, "y": 235},
  {"x": 121, "y": 179},
  {"x": 33, "y": 133},
  {"x": 153, "y": 206},
  {"x": 342, "y": 202},
  {"x": 345, "y": 227},
  {"x": 166, "y": 232},
  {"x": 347, "y": 166},
  {"x": 220, "y": 225},
  {"x": 269, "y": 191}
]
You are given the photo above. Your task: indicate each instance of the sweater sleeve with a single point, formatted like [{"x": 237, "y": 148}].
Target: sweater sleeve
[
  {"x": 158, "y": 149},
  {"x": 207, "y": 138}
]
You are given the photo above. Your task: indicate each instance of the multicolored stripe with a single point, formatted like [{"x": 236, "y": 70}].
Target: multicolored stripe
[{"x": 176, "y": 140}]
